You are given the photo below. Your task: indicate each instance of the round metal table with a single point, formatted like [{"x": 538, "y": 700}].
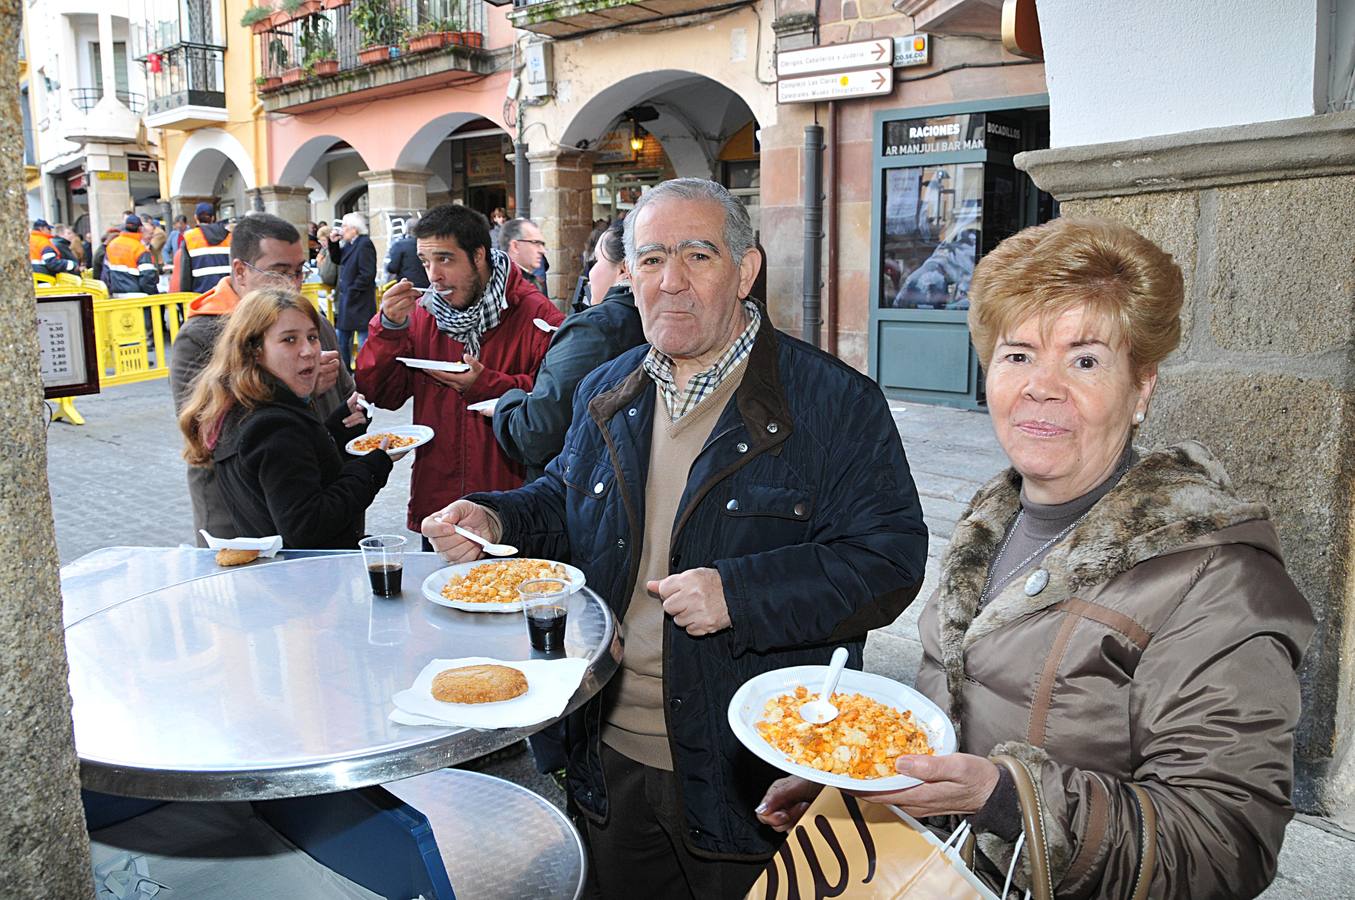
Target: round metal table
[{"x": 275, "y": 679}]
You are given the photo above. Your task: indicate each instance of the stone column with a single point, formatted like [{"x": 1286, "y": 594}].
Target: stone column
[
  {"x": 562, "y": 207},
  {"x": 1261, "y": 219},
  {"x": 42, "y": 825},
  {"x": 185, "y": 204},
  {"x": 286, "y": 202},
  {"x": 106, "y": 189},
  {"x": 392, "y": 195}
]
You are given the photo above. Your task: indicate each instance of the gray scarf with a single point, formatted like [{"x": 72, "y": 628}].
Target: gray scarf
[{"x": 470, "y": 324}]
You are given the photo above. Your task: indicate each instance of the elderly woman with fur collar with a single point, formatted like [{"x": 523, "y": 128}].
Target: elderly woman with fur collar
[{"x": 1115, "y": 619}]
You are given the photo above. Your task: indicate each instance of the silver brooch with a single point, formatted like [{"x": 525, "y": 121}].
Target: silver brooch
[{"x": 1038, "y": 581}]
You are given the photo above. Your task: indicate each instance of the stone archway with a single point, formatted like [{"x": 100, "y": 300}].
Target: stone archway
[{"x": 200, "y": 162}]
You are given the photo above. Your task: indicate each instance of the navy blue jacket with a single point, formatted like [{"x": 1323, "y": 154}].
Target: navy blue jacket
[
  {"x": 357, "y": 282},
  {"x": 531, "y": 427},
  {"x": 403, "y": 262},
  {"x": 801, "y": 499}
]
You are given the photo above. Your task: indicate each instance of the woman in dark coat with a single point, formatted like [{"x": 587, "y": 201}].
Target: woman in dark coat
[
  {"x": 355, "y": 255},
  {"x": 530, "y": 427},
  {"x": 280, "y": 469}
]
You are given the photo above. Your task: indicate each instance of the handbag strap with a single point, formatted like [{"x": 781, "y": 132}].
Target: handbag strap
[
  {"x": 1032, "y": 823},
  {"x": 1147, "y": 841}
]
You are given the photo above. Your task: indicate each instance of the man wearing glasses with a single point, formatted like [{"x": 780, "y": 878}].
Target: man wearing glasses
[
  {"x": 265, "y": 251},
  {"x": 525, "y": 246}
]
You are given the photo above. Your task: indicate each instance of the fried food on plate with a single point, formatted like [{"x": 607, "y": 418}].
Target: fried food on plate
[
  {"x": 483, "y": 683},
  {"x": 497, "y": 582},
  {"x": 229, "y": 557},
  {"x": 862, "y": 742},
  {"x": 373, "y": 442}
]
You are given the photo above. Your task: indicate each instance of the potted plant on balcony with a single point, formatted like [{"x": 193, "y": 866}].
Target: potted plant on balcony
[
  {"x": 264, "y": 83},
  {"x": 257, "y": 19},
  {"x": 279, "y": 61},
  {"x": 380, "y": 23},
  {"x": 332, "y": 4},
  {"x": 317, "y": 47},
  {"x": 300, "y": 9},
  {"x": 432, "y": 34}
]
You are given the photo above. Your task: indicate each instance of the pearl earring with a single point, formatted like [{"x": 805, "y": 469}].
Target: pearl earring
[{"x": 1138, "y": 418}]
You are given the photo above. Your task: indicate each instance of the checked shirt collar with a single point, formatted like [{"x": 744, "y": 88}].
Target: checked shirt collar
[{"x": 659, "y": 367}]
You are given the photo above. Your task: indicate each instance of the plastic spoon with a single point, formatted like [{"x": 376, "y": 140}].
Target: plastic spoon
[
  {"x": 820, "y": 711},
  {"x": 368, "y": 408},
  {"x": 545, "y": 326},
  {"x": 503, "y": 550}
]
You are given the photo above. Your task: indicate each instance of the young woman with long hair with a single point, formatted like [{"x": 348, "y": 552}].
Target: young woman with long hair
[{"x": 279, "y": 467}]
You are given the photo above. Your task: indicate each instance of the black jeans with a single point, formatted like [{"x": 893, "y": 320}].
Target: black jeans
[{"x": 639, "y": 853}]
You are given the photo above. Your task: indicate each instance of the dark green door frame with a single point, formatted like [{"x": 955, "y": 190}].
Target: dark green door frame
[{"x": 928, "y": 349}]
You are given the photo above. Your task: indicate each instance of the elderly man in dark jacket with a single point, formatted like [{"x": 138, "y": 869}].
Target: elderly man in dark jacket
[
  {"x": 356, "y": 256},
  {"x": 742, "y": 502}
]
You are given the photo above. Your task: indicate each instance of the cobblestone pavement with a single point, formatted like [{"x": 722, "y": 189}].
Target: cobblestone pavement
[{"x": 119, "y": 480}]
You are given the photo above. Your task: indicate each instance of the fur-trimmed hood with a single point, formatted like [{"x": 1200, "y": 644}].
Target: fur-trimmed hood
[{"x": 1173, "y": 498}]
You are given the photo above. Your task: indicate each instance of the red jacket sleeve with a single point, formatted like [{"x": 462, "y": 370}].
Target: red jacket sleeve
[{"x": 382, "y": 378}]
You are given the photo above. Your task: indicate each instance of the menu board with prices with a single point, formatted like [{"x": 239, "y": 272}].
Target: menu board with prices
[{"x": 66, "y": 355}]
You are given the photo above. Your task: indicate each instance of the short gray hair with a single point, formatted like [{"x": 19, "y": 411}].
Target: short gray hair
[
  {"x": 738, "y": 227},
  {"x": 511, "y": 231},
  {"x": 356, "y": 220}
]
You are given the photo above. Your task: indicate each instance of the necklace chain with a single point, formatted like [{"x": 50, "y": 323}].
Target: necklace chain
[{"x": 988, "y": 582}]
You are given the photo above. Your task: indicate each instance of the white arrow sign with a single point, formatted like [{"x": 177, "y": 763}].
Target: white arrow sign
[
  {"x": 835, "y": 57},
  {"x": 835, "y": 86}
]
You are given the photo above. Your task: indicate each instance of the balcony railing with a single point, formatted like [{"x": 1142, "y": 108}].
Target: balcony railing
[
  {"x": 85, "y": 99},
  {"x": 186, "y": 75},
  {"x": 571, "y": 18},
  {"x": 329, "y": 42}
]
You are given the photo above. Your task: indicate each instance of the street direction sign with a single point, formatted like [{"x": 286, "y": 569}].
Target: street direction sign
[
  {"x": 834, "y": 58},
  {"x": 835, "y": 86}
]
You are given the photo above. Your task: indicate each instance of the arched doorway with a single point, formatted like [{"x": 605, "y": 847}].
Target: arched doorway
[
  {"x": 465, "y": 157},
  {"x": 212, "y": 164},
  {"x": 331, "y": 164}
]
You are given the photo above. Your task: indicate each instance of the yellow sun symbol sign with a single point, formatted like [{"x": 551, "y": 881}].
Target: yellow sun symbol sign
[{"x": 842, "y": 80}]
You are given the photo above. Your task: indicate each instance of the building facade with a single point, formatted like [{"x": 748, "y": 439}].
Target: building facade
[{"x": 86, "y": 97}]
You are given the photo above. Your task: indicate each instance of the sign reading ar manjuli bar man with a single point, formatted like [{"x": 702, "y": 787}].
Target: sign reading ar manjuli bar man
[{"x": 835, "y": 86}]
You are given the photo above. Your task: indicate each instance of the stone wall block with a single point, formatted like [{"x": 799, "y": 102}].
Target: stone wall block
[
  {"x": 1168, "y": 220},
  {"x": 1284, "y": 441},
  {"x": 1285, "y": 275}
]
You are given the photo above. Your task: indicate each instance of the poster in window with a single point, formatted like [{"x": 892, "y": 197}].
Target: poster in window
[{"x": 933, "y": 222}]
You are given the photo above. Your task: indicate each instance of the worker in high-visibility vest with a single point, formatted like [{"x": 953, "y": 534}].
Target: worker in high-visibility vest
[
  {"x": 49, "y": 254},
  {"x": 204, "y": 255},
  {"x": 129, "y": 270}
]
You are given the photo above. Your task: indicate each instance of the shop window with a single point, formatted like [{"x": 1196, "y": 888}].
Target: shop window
[{"x": 932, "y": 227}]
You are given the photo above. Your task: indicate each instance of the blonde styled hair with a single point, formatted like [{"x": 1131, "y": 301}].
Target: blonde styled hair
[
  {"x": 1115, "y": 273},
  {"x": 235, "y": 375}
]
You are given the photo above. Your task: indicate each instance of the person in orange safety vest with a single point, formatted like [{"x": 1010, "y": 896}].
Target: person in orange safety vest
[
  {"x": 128, "y": 267},
  {"x": 46, "y": 252},
  {"x": 204, "y": 254}
]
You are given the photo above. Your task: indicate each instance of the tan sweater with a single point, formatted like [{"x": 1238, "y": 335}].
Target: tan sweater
[{"x": 635, "y": 726}]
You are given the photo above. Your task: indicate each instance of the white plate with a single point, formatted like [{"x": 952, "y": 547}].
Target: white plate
[
  {"x": 484, "y": 405},
  {"x": 746, "y": 710},
  {"x": 437, "y": 365},
  {"x": 432, "y": 586},
  {"x": 422, "y": 434}
]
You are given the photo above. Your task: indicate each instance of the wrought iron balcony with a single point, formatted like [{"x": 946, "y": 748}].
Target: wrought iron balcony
[
  {"x": 187, "y": 85},
  {"x": 323, "y": 58},
  {"x": 571, "y": 18},
  {"x": 86, "y": 98}
]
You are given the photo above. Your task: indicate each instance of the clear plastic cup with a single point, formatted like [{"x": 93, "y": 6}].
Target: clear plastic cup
[
  {"x": 545, "y": 605},
  {"x": 384, "y": 556}
]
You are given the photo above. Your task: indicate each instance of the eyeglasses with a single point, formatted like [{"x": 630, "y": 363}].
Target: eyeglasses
[
  {"x": 529, "y": 241},
  {"x": 292, "y": 275}
]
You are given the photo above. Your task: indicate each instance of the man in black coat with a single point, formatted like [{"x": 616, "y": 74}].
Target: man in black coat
[
  {"x": 356, "y": 255},
  {"x": 402, "y": 261},
  {"x": 742, "y": 502}
]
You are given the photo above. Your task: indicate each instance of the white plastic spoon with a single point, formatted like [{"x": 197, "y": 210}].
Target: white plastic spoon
[
  {"x": 368, "y": 408},
  {"x": 494, "y": 549},
  {"x": 822, "y": 710},
  {"x": 545, "y": 326}
]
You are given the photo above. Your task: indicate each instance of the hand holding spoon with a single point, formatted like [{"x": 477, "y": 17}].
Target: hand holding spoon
[
  {"x": 494, "y": 549},
  {"x": 822, "y": 710}
]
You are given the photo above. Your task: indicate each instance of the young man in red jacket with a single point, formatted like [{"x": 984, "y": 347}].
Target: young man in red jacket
[{"x": 479, "y": 312}]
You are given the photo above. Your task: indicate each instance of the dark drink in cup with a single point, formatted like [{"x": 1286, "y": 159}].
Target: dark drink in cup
[
  {"x": 385, "y": 579},
  {"x": 544, "y": 603},
  {"x": 384, "y": 556},
  {"x": 546, "y": 628}
]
